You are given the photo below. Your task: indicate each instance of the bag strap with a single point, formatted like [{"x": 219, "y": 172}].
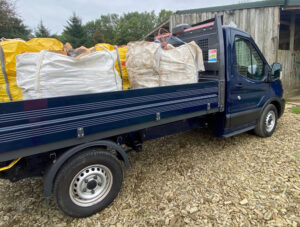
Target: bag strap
[
  {"x": 119, "y": 64},
  {"x": 158, "y": 64},
  {"x": 38, "y": 76},
  {"x": 2, "y": 59}
]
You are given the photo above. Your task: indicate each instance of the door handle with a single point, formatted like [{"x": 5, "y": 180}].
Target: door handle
[{"x": 239, "y": 85}]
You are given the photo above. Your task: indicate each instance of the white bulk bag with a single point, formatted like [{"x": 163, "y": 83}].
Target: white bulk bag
[
  {"x": 48, "y": 74},
  {"x": 148, "y": 65},
  {"x": 141, "y": 64}
]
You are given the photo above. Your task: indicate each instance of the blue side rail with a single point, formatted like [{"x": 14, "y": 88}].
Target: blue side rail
[{"x": 35, "y": 126}]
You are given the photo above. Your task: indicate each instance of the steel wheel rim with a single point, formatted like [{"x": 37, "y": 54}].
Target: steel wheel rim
[
  {"x": 270, "y": 121},
  {"x": 91, "y": 185}
]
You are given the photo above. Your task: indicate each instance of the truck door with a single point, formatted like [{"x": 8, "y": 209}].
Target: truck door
[{"x": 248, "y": 89}]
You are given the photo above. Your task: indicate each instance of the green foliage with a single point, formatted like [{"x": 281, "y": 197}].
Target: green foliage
[
  {"x": 133, "y": 26},
  {"x": 101, "y": 30},
  {"x": 163, "y": 16},
  {"x": 296, "y": 110},
  {"x": 11, "y": 26},
  {"x": 58, "y": 37},
  {"x": 41, "y": 31},
  {"x": 115, "y": 29},
  {"x": 74, "y": 32}
]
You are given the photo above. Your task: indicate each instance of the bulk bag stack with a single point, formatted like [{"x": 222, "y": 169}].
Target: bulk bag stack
[
  {"x": 148, "y": 65},
  {"x": 44, "y": 67}
]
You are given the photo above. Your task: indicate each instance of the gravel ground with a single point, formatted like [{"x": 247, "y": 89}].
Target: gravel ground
[{"x": 190, "y": 179}]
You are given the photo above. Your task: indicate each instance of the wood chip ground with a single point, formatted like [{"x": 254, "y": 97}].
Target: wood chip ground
[{"x": 188, "y": 179}]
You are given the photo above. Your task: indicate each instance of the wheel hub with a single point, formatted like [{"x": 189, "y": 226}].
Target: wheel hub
[
  {"x": 270, "y": 121},
  {"x": 90, "y": 185}
]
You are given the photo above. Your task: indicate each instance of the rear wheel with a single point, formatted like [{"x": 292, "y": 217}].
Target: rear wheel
[
  {"x": 88, "y": 183},
  {"x": 267, "y": 122}
]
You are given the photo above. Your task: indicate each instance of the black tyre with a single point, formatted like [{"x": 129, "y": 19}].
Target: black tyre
[
  {"x": 88, "y": 182},
  {"x": 267, "y": 122}
]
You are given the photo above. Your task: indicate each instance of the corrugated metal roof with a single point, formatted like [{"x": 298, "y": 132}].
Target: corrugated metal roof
[{"x": 247, "y": 5}]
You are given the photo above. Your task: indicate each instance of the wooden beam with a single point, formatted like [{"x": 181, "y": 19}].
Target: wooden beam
[
  {"x": 291, "y": 7},
  {"x": 285, "y": 22},
  {"x": 292, "y": 31}
]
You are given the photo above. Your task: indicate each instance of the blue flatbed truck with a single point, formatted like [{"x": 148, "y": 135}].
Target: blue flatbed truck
[{"x": 77, "y": 143}]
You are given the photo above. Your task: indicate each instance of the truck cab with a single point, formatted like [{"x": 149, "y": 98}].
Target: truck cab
[
  {"x": 251, "y": 83},
  {"x": 247, "y": 83}
]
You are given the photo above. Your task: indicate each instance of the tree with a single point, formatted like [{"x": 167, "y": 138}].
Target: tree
[
  {"x": 132, "y": 26},
  {"x": 102, "y": 29},
  {"x": 163, "y": 16},
  {"x": 58, "y": 37},
  {"x": 93, "y": 34},
  {"x": 115, "y": 29},
  {"x": 74, "y": 32},
  {"x": 11, "y": 26},
  {"x": 41, "y": 30}
]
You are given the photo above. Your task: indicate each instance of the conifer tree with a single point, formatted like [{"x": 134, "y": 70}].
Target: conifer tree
[
  {"x": 74, "y": 32},
  {"x": 41, "y": 31}
]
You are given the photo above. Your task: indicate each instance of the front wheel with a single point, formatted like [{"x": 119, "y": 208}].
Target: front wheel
[
  {"x": 88, "y": 183},
  {"x": 267, "y": 122}
]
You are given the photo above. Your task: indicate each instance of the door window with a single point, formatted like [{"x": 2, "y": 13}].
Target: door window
[{"x": 249, "y": 63}]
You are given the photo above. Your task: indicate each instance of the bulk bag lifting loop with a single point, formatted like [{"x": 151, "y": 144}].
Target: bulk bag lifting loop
[
  {"x": 119, "y": 64},
  {"x": 122, "y": 56},
  {"x": 118, "y": 58},
  {"x": 37, "y": 76}
]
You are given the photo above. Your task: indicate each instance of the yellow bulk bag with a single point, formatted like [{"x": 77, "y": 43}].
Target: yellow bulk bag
[
  {"x": 11, "y": 49},
  {"x": 122, "y": 54},
  {"x": 45, "y": 44},
  {"x": 108, "y": 46}
]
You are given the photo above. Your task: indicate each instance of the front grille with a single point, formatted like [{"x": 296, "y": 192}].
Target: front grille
[{"x": 203, "y": 44}]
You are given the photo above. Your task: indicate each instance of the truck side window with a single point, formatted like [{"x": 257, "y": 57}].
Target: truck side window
[{"x": 249, "y": 63}]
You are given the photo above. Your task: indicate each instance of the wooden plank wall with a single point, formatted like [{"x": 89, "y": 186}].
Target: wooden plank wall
[
  {"x": 290, "y": 70},
  {"x": 261, "y": 23}
]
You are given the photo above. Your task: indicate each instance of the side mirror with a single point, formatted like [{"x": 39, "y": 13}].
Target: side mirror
[{"x": 276, "y": 69}]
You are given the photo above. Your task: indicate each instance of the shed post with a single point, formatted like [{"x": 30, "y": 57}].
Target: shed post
[{"x": 292, "y": 32}]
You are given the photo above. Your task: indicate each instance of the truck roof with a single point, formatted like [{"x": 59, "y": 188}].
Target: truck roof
[
  {"x": 227, "y": 27},
  {"x": 239, "y": 6}
]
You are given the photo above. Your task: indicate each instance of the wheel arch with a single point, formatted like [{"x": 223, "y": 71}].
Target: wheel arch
[
  {"x": 277, "y": 103},
  {"x": 52, "y": 171},
  {"x": 278, "y": 107}
]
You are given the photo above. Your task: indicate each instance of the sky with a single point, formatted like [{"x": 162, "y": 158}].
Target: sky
[{"x": 54, "y": 13}]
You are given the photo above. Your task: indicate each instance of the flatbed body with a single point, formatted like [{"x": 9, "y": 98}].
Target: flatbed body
[{"x": 54, "y": 123}]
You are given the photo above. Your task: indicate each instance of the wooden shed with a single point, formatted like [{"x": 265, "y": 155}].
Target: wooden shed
[{"x": 273, "y": 24}]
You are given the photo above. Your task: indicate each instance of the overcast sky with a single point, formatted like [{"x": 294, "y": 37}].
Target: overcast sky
[{"x": 54, "y": 13}]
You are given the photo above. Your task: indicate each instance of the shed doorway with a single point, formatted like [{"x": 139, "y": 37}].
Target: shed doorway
[{"x": 289, "y": 47}]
